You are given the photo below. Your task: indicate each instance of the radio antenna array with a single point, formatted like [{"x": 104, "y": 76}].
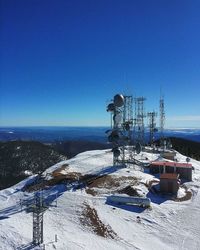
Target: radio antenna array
[
  {"x": 139, "y": 120},
  {"x": 152, "y": 126},
  {"x": 162, "y": 121},
  {"x": 120, "y": 135}
]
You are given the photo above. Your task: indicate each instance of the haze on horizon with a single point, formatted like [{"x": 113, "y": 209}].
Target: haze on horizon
[{"x": 62, "y": 61}]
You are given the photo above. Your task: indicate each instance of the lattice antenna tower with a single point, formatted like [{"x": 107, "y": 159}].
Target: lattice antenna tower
[
  {"x": 121, "y": 133},
  {"x": 152, "y": 126},
  {"x": 162, "y": 120},
  {"x": 38, "y": 220},
  {"x": 139, "y": 120},
  {"x": 128, "y": 126},
  {"x": 128, "y": 114},
  {"x": 38, "y": 211}
]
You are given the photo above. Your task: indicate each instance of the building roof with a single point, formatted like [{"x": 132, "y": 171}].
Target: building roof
[
  {"x": 172, "y": 176},
  {"x": 171, "y": 164}
]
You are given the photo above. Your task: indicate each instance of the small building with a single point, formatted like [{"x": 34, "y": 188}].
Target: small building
[
  {"x": 183, "y": 169},
  {"x": 170, "y": 155},
  {"x": 169, "y": 183}
]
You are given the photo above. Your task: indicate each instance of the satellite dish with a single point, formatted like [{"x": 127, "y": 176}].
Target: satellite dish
[
  {"x": 187, "y": 159},
  {"x": 138, "y": 148},
  {"x": 116, "y": 152},
  {"x": 110, "y": 107},
  {"x": 118, "y": 100}
]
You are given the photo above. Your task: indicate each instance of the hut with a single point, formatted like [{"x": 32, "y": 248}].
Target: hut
[
  {"x": 170, "y": 155},
  {"x": 169, "y": 183}
]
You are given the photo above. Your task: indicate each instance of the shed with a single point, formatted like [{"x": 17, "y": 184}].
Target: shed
[
  {"x": 169, "y": 183},
  {"x": 170, "y": 155}
]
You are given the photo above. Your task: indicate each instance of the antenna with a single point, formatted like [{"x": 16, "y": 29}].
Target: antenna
[
  {"x": 121, "y": 134},
  {"x": 139, "y": 120},
  {"x": 38, "y": 209},
  {"x": 162, "y": 120},
  {"x": 152, "y": 126}
]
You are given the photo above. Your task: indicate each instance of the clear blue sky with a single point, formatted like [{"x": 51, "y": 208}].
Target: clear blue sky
[{"x": 62, "y": 60}]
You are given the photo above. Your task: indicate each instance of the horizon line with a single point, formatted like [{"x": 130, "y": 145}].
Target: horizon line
[{"x": 81, "y": 126}]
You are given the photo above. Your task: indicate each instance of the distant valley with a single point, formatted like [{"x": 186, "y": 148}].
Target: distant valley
[{"x": 96, "y": 134}]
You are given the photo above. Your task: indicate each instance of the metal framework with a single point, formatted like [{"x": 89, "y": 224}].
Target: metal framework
[
  {"x": 152, "y": 126},
  {"x": 162, "y": 121},
  {"x": 38, "y": 210},
  {"x": 127, "y": 128},
  {"x": 121, "y": 129},
  {"x": 139, "y": 120}
]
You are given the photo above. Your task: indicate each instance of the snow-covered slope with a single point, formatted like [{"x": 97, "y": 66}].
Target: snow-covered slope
[{"x": 167, "y": 225}]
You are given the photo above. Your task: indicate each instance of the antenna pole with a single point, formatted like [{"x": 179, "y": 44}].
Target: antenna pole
[{"x": 162, "y": 121}]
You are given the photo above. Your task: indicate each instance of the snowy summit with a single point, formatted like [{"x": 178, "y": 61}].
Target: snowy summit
[{"x": 79, "y": 216}]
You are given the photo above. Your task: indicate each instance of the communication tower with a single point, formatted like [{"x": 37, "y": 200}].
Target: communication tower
[
  {"x": 152, "y": 126},
  {"x": 120, "y": 134},
  {"x": 128, "y": 127},
  {"x": 139, "y": 120},
  {"x": 162, "y": 121},
  {"x": 38, "y": 208}
]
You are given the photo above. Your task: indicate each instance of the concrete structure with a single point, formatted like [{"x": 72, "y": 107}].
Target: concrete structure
[
  {"x": 169, "y": 183},
  {"x": 144, "y": 202},
  {"x": 183, "y": 169}
]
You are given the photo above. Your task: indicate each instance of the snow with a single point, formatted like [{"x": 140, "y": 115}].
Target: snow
[{"x": 167, "y": 225}]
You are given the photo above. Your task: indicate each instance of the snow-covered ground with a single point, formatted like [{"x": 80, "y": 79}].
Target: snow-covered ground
[{"x": 167, "y": 225}]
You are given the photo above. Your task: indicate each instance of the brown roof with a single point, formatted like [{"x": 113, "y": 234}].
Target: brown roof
[
  {"x": 172, "y": 176},
  {"x": 171, "y": 164}
]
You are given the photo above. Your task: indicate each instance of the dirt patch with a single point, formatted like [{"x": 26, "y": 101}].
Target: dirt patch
[
  {"x": 91, "y": 191},
  {"x": 186, "y": 197},
  {"x": 151, "y": 186},
  {"x": 57, "y": 178},
  {"x": 129, "y": 190},
  {"x": 150, "y": 183},
  {"x": 88, "y": 178},
  {"x": 90, "y": 219},
  {"x": 58, "y": 170},
  {"x": 109, "y": 181}
]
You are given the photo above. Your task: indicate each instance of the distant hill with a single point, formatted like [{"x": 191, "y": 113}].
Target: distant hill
[
  {"x": 186, "y": 147},
  {"x": 73, "y": 147},
  {"x": 16, "y": 157}
]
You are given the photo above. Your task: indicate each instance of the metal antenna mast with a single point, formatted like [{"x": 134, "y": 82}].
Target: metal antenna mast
[
  {"x": 38, "y": 220},
  {"x": 162, "y": 121},
  {"x": 121, "y": 133},
  {"x": 139, "y": 120},
  {"x": 38, "y": 211},
  {"x": 127, "y": 125},
  {"x": 152, "y": 126}
]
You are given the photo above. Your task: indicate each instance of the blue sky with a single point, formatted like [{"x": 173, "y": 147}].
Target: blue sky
[{"x": 61, "y": 61}]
